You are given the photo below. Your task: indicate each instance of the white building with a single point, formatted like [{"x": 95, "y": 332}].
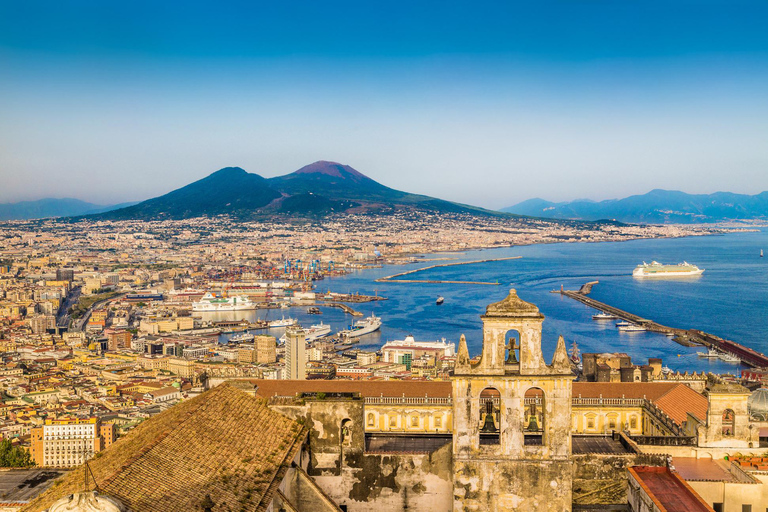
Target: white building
[
  {"x": 295, "y": 354},
  {"x": 409, "y": 348}
]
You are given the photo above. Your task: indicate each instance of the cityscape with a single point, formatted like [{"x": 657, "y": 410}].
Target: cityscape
[{"x": 485, "y": 257}]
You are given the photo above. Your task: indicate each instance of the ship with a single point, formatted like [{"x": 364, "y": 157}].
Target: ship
[
  {"x": 631, "y": 328},
  {"x": 315, "y": 332},
  {"x": 242, "y": 338},
  {"x": 603, "y": 316},
  {"x": 440, "y": 300},
  {"x": 656, "y": 269},
  {"x": 709, "y": 354},
  {"x": 729, "y": 358},
  {"x": 213, "y": 302},
  {"x": 283, "y": 322},
  {"x": 362, "y": 327}
]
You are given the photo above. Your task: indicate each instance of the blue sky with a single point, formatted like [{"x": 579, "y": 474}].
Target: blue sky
[{"x": 484, "y": 103}]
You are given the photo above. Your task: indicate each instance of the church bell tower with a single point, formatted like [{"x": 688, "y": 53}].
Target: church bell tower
[{"x": 512, "y": 417}]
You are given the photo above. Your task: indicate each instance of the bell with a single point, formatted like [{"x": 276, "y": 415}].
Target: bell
[
  {"x": 488, "y": 425},
  {"x": 511, "y": 358}
]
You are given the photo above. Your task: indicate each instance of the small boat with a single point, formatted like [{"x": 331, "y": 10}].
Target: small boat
[
  {"x": 314, "y": 311},
  {"x": 603, "y": 316},
  {"x": 710, "y": 354},
  {"x": 761, "y": 253},
  {"x": 631, "y": 328},
  {"x": 729, "y": 358},
  {"x": 622, "y": 324},
  {"x": 440, "y": 300},
  {"x": 283, "y": 322}
]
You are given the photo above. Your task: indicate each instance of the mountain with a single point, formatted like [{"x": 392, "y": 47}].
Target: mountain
[
  {"x": 656, "y": 207},
  {"x": 50, "y": 207},
  {"x": 315, "y": 190}
]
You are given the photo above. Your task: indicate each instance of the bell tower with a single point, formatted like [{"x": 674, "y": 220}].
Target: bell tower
[{"x": 512, "y": 417}]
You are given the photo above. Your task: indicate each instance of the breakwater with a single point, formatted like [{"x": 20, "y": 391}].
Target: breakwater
[
  {"x": 686, "y": 337},
  {"x": 394, "y": 277}
]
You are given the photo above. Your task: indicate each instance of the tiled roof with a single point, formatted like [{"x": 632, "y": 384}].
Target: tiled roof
[
  {"x": 224, "y": 442},
  {"x": 270, "y": 388},
  {"x": 669, "y": 490}
]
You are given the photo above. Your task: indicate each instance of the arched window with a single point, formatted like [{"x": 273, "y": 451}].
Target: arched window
[
  {"x": 414, "y": 421},
  {"x": 533, "y": 421},
  {"x": 438, "y": 422},
  {"x": 393, "y": 421},
  {"x": 590, "y": 422},
  {"x": 611, "y": 422},
  {"x": 346, "y": 432},
  {"x": 512, "y": 347},
  {"x": 371, "y": 419},
  {"x": 728, "y": 422},
  {"x": 490, "y": 426}
]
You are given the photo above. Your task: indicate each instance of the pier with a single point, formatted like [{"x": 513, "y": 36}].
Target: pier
[
  {"x": 686, "y": 337},
  {"x": 393, "y": 277},
  {"x": 346, "y": 309}
]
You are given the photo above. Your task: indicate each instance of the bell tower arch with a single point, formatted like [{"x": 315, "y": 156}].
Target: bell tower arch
[{"x": 512, "y": 445}]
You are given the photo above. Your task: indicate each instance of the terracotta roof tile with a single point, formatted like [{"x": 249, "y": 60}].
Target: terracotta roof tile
[{"x": 270, "y": 388}]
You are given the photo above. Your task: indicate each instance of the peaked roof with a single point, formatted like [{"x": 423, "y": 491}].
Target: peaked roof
[
  {"x": 513, "y": 306},
  {"x": 224, "y": 443}
]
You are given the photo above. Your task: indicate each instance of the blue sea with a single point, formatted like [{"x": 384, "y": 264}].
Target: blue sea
[{"x": 730, "y": 299}]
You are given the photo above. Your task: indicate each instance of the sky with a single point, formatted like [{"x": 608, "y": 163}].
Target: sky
[{"x": 485, "y": 103}]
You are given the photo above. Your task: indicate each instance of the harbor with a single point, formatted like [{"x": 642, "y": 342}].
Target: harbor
[{"x": 685, "y": 337}]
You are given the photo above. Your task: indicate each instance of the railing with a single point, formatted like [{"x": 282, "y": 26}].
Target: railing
[
  {"x": 626, "y": 402},
  {"x": 407, "y": 400},
  {"x": 664, "y": 440}
]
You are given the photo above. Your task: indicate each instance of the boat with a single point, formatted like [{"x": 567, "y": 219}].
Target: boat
[
  {"x": 710, "y": 354},
  {"x": 603, "y": 316},
  {"x": 362, "y": 327},
  {"x": 729, "y": 358},
  {"x": 631, "y": 328},
  {"x": 315, "y": 332},
  {"x": 242, "y": 338},
  {"x": 761, "y": 253},
  {"x": 623, "y": 324},
  {"x": 283, "y": 322},
  {"x": 656, "y": 269},
  {"x": 314, "y": 311},
  {"x": 214, "y": 302},
  {"x": 440, "y": 300}
]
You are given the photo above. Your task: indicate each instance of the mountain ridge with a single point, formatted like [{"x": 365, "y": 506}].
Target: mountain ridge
[
  {"x": 657, "y": 206},
  {"x": 52, "y": 207}
]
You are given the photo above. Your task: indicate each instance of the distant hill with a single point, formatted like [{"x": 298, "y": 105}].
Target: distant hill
[
  {"x": 50, "y": 207},
  {"x": 315, "y": 190},
  {"x": 656, "y": 207}
]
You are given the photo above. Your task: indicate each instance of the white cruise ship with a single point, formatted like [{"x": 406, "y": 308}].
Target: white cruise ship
[
  {"x": 362, "y": 327},
  {"x": 656, "y": 269},
  {"x": 212, "y": 302},
  {"x": 283, "y": 322},
  {"x": 315, "y": 332}
]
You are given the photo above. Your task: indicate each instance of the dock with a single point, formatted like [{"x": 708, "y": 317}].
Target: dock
[
  {"x": 685, "y": 337},
  {"x": 348, "y": 310},
  {"x": 393, "y": 277}
]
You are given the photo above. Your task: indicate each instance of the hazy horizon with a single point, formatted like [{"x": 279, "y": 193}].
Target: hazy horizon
[{"x": 482, "y": 104}]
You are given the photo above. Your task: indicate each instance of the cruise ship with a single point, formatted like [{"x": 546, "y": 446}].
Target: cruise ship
[
  {"x": 656, "y": 269},
  {"x": 362, "y": 327},
  {"x": 315, "y": 332},
  {"x": 212, "y": 302},
  {"x": 283, "y": 322}
]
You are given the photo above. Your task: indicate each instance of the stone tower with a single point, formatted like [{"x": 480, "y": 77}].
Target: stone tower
[{"x": 512, "y": 417}]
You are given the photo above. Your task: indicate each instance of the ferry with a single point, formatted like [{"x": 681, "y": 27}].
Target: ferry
[
  {"x": 362, "y": 327},
  {"x": 729, "y": 358},
  {"x": 315, "y": 332},
  {"x": 603, "y": 316},
  {"x": 656, "y": 269},
  {"x": 283, "y": 322},
  {"x": 242, "y": 338},
  {"x": 212, "y": 302},
  {"x": 631, "y": 328}
]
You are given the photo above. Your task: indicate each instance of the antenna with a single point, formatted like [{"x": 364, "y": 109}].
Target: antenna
[{"x": 86, "y": 451}]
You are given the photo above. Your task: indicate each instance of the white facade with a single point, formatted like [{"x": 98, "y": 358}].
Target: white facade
[
  {"x": 295, "y": 354},
  {"x": 69, "y": 444},
  {"x": 393, "y": 351}
]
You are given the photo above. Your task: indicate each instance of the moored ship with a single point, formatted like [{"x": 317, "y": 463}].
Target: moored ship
[
  {"x": 212, "y": 302},
  {"x": 656, "y": 269},
  {"x": 283, "y": 322},
  {"x": 362, "y": 327},
  {"x": 315, "y": 332}
]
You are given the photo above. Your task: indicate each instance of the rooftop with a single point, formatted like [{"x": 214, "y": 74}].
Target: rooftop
[
  {"x": 668, "y": 490},
  {"x": 224, "y": 443}
]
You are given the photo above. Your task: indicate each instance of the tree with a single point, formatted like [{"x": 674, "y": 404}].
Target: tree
[{"x": 14, "y": 456}]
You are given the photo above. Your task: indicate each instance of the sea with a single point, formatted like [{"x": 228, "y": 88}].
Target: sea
[{"x": 730, "y": 299}]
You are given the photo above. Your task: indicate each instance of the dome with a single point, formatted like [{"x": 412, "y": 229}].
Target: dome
[
  {"x": 87, "y": 502},
  {"x": 758, "y": 404}
]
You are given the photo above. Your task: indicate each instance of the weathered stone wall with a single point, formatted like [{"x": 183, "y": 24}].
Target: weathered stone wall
[
  {"x": 600, "y": 479},
  {"x": 522, "y": 486}
]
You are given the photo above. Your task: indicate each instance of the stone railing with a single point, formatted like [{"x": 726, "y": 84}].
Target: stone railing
[
  {"x": 407, "y": 400},
  {"x": 621, "y": 402}
]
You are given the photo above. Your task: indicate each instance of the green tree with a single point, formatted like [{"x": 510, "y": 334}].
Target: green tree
[{"x": 14, "y": 456}]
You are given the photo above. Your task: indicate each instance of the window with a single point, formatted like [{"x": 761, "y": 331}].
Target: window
[
  {"x": 590, "y": 422},
  {"x": 633, "y": 422},
  {"x": 438, "y": 422},
  {"x": 746, "y": 508},
  {"x": 414, "y": 421},
  {"x": 718, "y": 507},
  {"x": 728, "y": 423},
  {"x": 393, "y": 422},
  {"x": 612, "y": 423}
]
